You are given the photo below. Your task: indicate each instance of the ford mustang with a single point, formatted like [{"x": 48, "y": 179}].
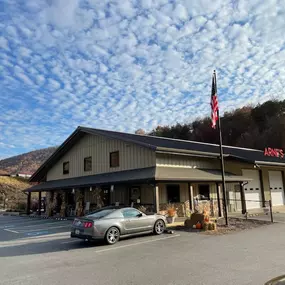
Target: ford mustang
[{"x": 112, "y": 223}]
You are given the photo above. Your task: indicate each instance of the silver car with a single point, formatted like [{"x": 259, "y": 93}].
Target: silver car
[{"x": 111, "y": 223}]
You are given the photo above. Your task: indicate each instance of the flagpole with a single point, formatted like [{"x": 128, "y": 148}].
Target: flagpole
[{"x": 222, "y": 162}]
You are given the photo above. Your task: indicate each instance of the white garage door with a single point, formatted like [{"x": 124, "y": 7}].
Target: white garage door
[
  {"x": 276, "y": 187},
  {"x": 252, "y": 190}
]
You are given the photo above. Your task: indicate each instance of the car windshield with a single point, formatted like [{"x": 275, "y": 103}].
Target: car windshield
[{"x": 100, "y": 213}]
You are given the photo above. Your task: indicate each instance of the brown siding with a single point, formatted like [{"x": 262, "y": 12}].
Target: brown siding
[{"x": 131, "y": 157}]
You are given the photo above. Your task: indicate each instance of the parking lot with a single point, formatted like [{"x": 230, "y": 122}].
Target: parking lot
[
  {"x": 36, "y": 251},
  {"x": 23, "y": 235}
]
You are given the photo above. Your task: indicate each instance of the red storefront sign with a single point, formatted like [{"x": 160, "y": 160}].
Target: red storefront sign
[{"x": 275, "y": 152}]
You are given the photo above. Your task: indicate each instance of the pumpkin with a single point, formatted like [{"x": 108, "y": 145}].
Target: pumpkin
[{"x": 199, "y": 226}]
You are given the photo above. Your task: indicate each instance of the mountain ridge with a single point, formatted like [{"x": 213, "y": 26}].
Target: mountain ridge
[{"x": 26, "y": 163}]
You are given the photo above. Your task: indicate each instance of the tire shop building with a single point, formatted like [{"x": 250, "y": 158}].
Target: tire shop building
[{"x": 95, "y": 168}]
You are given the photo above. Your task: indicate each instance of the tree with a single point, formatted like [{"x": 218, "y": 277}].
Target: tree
[
  {"x": 140, "y": 132},
  {"x": 251, "y": 127}
]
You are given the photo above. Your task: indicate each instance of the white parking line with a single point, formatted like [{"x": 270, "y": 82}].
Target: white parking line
[
  {"x": 8, "y": 230},
  {"x": 38, "y": 239},
  {"x": 137, "y": 243},
  {"x": 17, "y": 224}
]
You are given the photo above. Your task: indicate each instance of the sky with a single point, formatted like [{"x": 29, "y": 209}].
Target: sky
[{"x": 129, "y": 64}]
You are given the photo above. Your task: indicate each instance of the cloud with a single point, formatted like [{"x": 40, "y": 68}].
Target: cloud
[
  {"x": 125, "y": 65},
  {"x": 4, "y": 43}
]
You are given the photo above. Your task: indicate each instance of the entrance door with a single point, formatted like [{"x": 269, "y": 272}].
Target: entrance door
[
  {"x": 276, "y": 187},
  {"x": 105, "y": 196},
  {"x": 252, "y": 190}
]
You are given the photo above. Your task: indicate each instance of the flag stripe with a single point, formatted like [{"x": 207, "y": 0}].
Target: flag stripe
[{"x": 214, "y": 102}]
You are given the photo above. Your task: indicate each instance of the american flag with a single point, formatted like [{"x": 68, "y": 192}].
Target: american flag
[{"x": 214, "y": 101}]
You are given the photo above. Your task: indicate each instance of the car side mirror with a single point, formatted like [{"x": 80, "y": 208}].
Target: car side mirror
[{"x": 139, "y": 215}]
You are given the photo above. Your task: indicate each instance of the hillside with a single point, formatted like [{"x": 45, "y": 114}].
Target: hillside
[
  {"x": 28, "y": 162},
  {"x": 11, "y": 194},
  {"x": 251, "y": 127}
]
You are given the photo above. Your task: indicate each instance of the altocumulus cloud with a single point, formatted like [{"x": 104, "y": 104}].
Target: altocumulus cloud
[{"x": 128, "y": 64}]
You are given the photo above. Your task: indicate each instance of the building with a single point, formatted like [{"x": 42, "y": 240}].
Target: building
[
  {"x": 95, "y": 168},
  {"x": 22, "y": 174}
]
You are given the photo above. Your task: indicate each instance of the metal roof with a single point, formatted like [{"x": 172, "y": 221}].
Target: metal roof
[
  {"x": 158, "y": 144},
  {"x": 146, "y": 175},
  {"x": 131, "y": 176}
]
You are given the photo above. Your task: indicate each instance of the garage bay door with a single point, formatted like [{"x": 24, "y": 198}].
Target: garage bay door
[
  {"x": 276, "y": 187},
  {"x": 252, "y": 190}
]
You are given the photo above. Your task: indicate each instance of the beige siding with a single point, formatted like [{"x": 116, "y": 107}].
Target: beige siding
[
  {"x": 236, "y": 167},
  {"x": 185, "y": 161},
  {"x": 131, "y": 157}
]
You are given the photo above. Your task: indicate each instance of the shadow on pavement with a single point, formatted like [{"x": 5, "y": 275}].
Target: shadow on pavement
[
  {"x": 46, "y": 247},
  {"x": 57, "y": 246}
]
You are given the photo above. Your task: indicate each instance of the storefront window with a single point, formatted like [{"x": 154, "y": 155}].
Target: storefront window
[
  {"x": 173, "y": 193},
  {"x": 204, "y": 192}
]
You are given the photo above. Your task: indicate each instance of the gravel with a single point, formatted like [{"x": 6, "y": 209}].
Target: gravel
[{"x": 235, "y": 225}]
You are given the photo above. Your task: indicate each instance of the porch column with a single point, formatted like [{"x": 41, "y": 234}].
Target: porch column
[
  {"x": 191, "y": 204},
  {"x": 262, "y": 187},
  {"x": 29, "y": 203},
  {"x": 156, "y": 198},
  {"x": 218, "y": 199},
  {"x": 242, "y": 197},
  {"x": 40, "y": 203}
]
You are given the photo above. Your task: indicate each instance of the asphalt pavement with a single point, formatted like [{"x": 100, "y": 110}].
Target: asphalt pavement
[{"x": 34, "y": 251}]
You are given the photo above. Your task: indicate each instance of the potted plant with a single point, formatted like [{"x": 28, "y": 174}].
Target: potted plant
[{"x": 171, "y": 213}]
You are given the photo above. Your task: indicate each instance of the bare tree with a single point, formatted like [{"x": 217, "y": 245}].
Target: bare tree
[{"x": 140, "y": 132}]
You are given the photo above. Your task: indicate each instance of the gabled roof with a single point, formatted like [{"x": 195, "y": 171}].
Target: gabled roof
[{"x": 159, "y": 144}]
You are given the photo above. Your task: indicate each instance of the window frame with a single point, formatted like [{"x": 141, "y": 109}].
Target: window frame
[
  {"x": 65, "y": 172},
  {"x": 134, "y": 210},
  {"x": 118, "y": 159},
  {"x": 84, "y": 162}
]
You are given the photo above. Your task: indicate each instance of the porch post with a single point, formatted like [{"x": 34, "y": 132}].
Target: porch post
[
  {"x": 190, "y": 189},
  {"x": 156, "y": 198},
  {"x": 40, "y": 203},
  {"x": 242, "y": 197},
  {"x": 29, "y": 203},
  {"x": 218, "y": 199},
  {"x": 262, "y": 187}
]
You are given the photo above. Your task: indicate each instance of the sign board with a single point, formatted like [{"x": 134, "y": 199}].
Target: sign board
[{"x": 274, "y": 152}]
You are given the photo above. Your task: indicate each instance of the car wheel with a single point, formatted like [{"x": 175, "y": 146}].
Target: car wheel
[
  {"x": 112, "y": 235},
  {"x": 159, "y": 227}
]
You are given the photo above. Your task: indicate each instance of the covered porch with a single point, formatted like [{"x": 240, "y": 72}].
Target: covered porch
[{"x": 149, "y": 189}]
